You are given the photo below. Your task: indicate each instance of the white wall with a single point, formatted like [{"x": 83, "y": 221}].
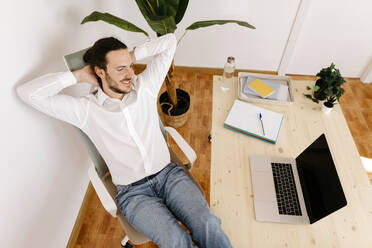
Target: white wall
[
  {"x": 366, "y": 76},
  {"x": 209, "y": 47},
  {"x": 44, "y": 164},
  {"x": 259, "y": 49},
  {"x": 338, "y": 31}
]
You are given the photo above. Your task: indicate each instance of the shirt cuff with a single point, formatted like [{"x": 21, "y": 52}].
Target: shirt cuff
[{"x": 67, "y": 78}]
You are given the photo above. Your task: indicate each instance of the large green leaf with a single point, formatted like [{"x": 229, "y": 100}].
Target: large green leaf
[
  {"x": 203, "y": 24},
  {"x": 163, "y": 26},
  {"x": 182, "y": 6},
  {"x": 159, "y": 14},
  {"x": 167, "y": 7},
  {"x": 146, "y": 8},
  {"x": 111, "y": 19}
]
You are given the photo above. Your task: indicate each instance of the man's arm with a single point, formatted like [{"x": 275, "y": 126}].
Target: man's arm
[
  {"x": 163, "y": 49},
  {"x": 42, "y": 94}
]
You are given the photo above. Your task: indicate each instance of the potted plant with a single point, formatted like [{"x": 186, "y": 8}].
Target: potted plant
[
  {"x": 327, "y": 88},
  {"x": 163, "y": 17}
]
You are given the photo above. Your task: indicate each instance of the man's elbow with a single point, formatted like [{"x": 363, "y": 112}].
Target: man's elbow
[
  {"x": 21, "y": 92},
  {"x": 24, "y": 93},
  {"x": 172, "y": 42},
  {"x": 173, "y": 39},
  {"x": 170, "y": 39}
]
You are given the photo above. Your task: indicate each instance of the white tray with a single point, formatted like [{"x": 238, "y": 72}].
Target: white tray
[{"x": 252, "y": 98}]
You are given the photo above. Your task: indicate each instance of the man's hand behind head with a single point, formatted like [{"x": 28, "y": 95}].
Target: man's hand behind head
[{"x": 86, "y": 75}]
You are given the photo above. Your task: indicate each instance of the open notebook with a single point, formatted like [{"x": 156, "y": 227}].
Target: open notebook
[{"x": 245, "y": 118}]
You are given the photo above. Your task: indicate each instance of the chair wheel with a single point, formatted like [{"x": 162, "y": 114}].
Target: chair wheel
[{"x": 127, "y": 245}]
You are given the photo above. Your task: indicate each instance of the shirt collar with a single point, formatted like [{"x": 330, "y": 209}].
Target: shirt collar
[{"x": 102, "y": 97}]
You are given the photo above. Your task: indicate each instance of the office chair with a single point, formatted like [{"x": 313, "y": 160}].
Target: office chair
[{"x": 101, "y": 180}]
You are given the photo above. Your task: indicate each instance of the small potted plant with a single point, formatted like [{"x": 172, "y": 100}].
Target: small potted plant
[{"x": 327, "y": 88}]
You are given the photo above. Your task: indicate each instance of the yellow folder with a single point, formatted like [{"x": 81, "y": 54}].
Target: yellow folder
[{"x": 261, "y": 88}]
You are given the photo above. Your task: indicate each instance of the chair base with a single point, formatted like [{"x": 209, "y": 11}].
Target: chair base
[
  {"x": 128, "y": 245},
  {"x": 125, "y": 242}
]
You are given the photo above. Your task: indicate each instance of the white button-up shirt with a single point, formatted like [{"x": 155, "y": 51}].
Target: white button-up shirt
[{"x": 126, "y": 132}]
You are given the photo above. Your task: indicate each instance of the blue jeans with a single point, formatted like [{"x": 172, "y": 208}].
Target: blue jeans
[{"x": 155, "y": 207}]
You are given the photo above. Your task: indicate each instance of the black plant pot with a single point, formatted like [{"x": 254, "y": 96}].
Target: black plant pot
[
  {"x": 319, "y": 94},
  {"x": 175, "y": 116},
  {"x": 329, "y": 104}
]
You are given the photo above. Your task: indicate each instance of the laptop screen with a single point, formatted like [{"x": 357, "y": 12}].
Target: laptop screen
[{"x": 320, "y": 184}]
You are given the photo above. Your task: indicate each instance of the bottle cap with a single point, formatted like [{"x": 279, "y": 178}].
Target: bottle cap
[{"x": 230, "y": 59}]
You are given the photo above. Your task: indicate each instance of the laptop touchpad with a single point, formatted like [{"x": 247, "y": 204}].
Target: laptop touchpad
[{"x": 263, "y": 186}]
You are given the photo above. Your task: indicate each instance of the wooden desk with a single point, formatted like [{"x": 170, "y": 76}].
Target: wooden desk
[{"x": 231, "y": 188}]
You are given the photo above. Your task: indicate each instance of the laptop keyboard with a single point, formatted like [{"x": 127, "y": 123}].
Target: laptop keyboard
[{"x": 285, "y": 188}]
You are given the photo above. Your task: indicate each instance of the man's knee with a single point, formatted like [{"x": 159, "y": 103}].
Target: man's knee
[
  {"x": 205, "y": 222},
  {"x": 209, "y": 221},
  {"x": 208, "y": 231},
  {"x": 173, "y": 238}
]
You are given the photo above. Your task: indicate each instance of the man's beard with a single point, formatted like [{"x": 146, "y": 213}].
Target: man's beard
[{"x": 112, "y": 84}]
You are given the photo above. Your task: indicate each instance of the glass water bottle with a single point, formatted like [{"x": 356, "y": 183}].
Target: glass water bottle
[
  {"x": 228, "y": 70},
  {"x": 228, "y": 73}
]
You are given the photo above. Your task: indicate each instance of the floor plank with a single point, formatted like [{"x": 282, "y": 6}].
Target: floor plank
[{"x": 356, "y": 105}]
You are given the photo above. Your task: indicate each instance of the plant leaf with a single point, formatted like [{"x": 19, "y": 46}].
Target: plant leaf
[
  {"x": 145, "y": 7},
  {"x": 160, "y": 18},
  {"x": 111, "y": 19},
  {"x": 163, "y": 26},
  {"x": 311, "y": 98},
  {"x": 316, "y": 88},
  {"x": 182, "y": 6},
  {"x": 203, "y": 24}
]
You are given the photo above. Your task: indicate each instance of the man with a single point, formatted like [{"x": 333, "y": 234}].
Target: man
[{"x": 121, "y": 119}]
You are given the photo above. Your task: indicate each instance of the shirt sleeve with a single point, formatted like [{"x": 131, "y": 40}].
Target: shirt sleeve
[
  {"x": 42, "y": 94},
  {"x": 162, "y": 49}
]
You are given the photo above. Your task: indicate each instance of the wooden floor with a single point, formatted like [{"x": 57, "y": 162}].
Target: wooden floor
[
  {"x": 101, "y": 230},
  {"x": 357, "y": 107}
]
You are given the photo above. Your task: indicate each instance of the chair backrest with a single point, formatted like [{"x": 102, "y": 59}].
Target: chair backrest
[
  {"x": 96, "y": 157},
  {"x": 165, "y": 134}
]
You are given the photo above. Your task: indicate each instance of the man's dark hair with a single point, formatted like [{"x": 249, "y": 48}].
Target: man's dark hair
[{"x": 96, "y": 55}]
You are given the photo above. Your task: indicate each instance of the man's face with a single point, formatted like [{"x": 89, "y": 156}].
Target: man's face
[{"x": 119, "y": 73}]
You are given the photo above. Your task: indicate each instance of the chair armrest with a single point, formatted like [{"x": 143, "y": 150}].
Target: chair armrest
[
  {"x": 185, "y": 147},
  {"x": 103, "y": 195}
]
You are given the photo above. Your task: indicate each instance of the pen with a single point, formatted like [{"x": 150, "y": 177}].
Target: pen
[{"x": 263, "y": 129}]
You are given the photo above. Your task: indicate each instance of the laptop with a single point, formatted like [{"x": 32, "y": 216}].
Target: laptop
[{"x": 299, "y": 191}]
